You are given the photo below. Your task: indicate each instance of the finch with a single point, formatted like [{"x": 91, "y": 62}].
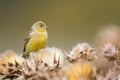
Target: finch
[{"x": 36, "y": 39}]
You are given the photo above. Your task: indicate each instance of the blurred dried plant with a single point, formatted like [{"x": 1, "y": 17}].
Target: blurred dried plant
[
  {"x": 109, "y": 43},
  {"x": 109, "y": 34},
  {"x": 78, "y": 71}
]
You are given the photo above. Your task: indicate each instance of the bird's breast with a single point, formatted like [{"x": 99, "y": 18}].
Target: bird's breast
[{"x": 38, "y": 41}]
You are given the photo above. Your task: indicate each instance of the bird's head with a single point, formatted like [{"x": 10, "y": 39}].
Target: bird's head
[{"x": 39, "y": 26}]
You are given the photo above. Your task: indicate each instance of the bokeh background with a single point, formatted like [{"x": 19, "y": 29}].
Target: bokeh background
[{"x": 69, "y": 21}]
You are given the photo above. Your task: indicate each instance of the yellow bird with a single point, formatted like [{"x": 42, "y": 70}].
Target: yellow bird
[{"x": 36, "y": 39}]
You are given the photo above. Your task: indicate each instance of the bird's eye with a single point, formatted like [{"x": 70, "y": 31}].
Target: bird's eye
[{"x": 40, "y": 25}]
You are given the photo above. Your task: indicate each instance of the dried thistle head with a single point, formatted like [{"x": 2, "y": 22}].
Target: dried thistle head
[
  {"x": 78, "y": 71},
  {"x": 31, "y": 66},
  {"x": 83, "y": 52},
  {"x": 35, "y": 68},
  {"x": 110, "y": 51},
  {"x": 43, "y": 64},
  {"x": 10, "y": 64},
  {"x": 109, "y": 34},
  {"x": 51, "y": 56},
  {"x": 109, "y": 41}
]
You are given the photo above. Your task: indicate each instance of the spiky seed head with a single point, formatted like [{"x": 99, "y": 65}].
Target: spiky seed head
[
  {"x": 34, "y": 68},
  {"x": 46, "y": 61},
  {"x": 30, "y": 66},
  {"x": 50, "y": 56},
  {"x": 82, "y": 51},
  {"x": 109, "y": 34},
  {"x": 10, "y": 64},
  {"x": 8, "y": 59},
  {"x": 110, "y": 51}
]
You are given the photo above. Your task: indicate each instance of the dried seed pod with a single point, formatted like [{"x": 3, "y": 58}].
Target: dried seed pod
[
  {"x": 34, "y": 68},
  {"x": 82, "y": 52},
  {"x": 31, "y": 66},
  {"x": 43, "y": 64},
  {"x": 50, "y": 56},
  {"x": 110, "y": 51},
  {"x": 109, "y": 42},
  {"x": 10, "y": 64},
  {"x": 109, "y": 34}
]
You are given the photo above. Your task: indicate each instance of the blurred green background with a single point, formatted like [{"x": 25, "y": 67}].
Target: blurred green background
[{"x": 69, "y": 21}]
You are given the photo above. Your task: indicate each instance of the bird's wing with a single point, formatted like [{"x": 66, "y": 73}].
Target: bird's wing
[{"x": 27, "y": 38}]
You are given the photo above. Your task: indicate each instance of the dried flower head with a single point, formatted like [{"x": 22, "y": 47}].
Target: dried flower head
[
  {"x": 109, "y": 41},
  {"x": 31, "y": 66},
  {"x": 109, "y": 34},
  {"x": 34, "y": 68},
  {"x": 110, "y": 51},
  {"x": 78, "y": 71},
  {"x": 83, "y": 52},
  {"x": 43, "y": 64},
  {"x": 10, "y": 64},
  {"x": 50, "y": 56}
]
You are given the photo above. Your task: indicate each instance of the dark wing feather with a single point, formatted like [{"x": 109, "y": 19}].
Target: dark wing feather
[{"x": 27, "y": 38}]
